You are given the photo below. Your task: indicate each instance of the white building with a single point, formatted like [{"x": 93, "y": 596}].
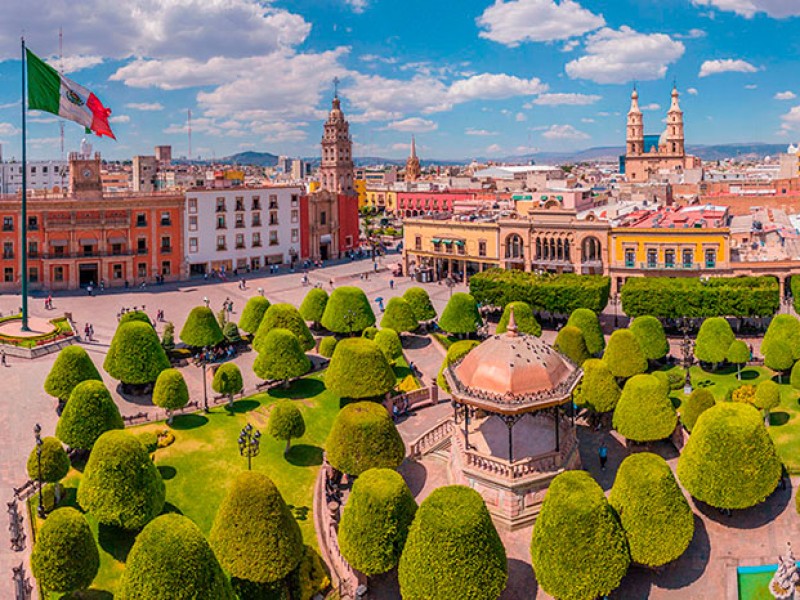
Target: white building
[{"x": 242, "y": 228}]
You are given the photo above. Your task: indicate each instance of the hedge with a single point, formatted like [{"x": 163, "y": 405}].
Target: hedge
[
  {"x": 767, "y": 397},
  {"x": 253, "y": 314},
  {"x": 313, "y": 306},
  {"x": 587, "y": 321},
  {"x": 698, "y": 402},
  {"x": 454, "y": 353},
  {"x": 578, "y": 547},
  {"x": 55, "y": 462},
  {"x": 120, "y": 485},
  {"x": 674, "y": 297},
  {"x": 651, "y": 337},
  {"x": 569, "y": 341},
  {"x": 286, "y": 422},
  {"x": 453, "y": 551},
  {"x": 420, "y": 303},
  {"x": 170, "y": 391},
  {"x": 389, "y": 343},
  {"x": 623, "y": 355},
  {"x": 713, "y": 340},
  {"x": 90, "y": 412},
  {"x": 348, "y": 311},
  {"x": 460, "y": 315},
  {"x": 255, "y": 536},
  {"x": 363, "y": 436},
  {"x": 201, "y": 328},
  {"x": 375, "y": 521},
  {"x": 72, "y": 366},
  {"x": 359, "y": 369},
  {"x": 784, "y": 329},
  {"x": 657, "y": 519},
  {"x": 281, "y": 357},
  {"x": 172, "y": 559},
  {"x": 644, "y": 412},
  {"x": 327, "y": 345},
  {"x": 399, "y": 316},
  {"x": 598, "y": 389},
  {"x": 560, "y": 294},
  {"x": 523, "y": 317},
  {"x": 730, "y": 461},
  {"x": 135, "y": 355},
  {"x": 283, "y": 316}
]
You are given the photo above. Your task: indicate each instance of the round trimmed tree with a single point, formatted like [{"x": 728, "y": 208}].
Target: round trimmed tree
[
  {"x": 363, "y": 436},
  {"x": 460, "y": 315},
  {"x": 455, "y": 353},
  {"x": 768, "y": 396},
  {"x": 254, "y": 536},
  {"x": 286, "y": 422},
  {"x": 644, "y": 412},
  {"x": 420, "y": 303},
  {"x": 135, "y": 356},
  {"x": 282, "y": 358},
  {"x": 327, "y": 345},
  {"x": 623, "y": 355},
  {"x": 778, "y": 357},
  {"x": 65, "y": 557},
  {"x": 738, "y": 354},
  {"x": 375, "y": 521},
  {"x": 713, "y": 340},
  {"x": 698, "y": 401},
  {"x": 651, "y": 337},
  {"x": 120, "y": 485},
  {"x": 90, "y": 412},
  {"x": 389, "y": 343},
  {"x": 283, "y": 316},
  {"x": 172, "y": 559},
  {"x": 663, "y": 379},
  {"x": 571, "y": 344},
  {"x": 228, "y": 381},
  {"x": 72, "y": 366},
  {"x": 370, "y": 333},
  {"x": 598, "y": 390},
  {"x": 201, "y": 329},
  {"x": 523, "y": 317},
  {"x": 313, "y": 306},
  {"x": 347, "y": 311},
  {"x": 453, "y": 551},
  {"x": 359, "y": 369},
  {"x": 578, "y": 547},
  {"x": 586, "y": 320},
  {"x": 794, "y": 377},
  {"x": 253, "y": 314},
  {"x": 55, "y": 462},
  {"x": 730, "y": 461},
  {"x": 656, "y": 517},
  {"x": 784, "y": 329},
  {"x": 399, "y": 316},
  {"x": 170, "y": 391}
]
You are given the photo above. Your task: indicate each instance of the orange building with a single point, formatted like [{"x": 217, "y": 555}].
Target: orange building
[{"x": 88, "y": 237}]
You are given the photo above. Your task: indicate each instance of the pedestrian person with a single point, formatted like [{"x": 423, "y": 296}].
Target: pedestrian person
[
  {"x": 602, "y": 453},
  {"x": 3, "y": 360},
  {"x": 391, "y": 284},
  {"x": 91, "y": 332}
]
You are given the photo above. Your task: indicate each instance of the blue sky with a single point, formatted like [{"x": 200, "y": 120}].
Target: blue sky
[{"x": 469, "y": 78}]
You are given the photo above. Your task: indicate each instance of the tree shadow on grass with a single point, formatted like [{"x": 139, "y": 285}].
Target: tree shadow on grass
[
  {"x": 171, "y": 509},
  {"x": 401, "y": 372},
  {"x": 755, "y": 516},
  {"x": 88, "y": 595},
  {"x": 184, "y": 422},
  {"x": 304, "y": 455},
  {"x": 778, "y": 418},
  {"x": 167, "y": 472},
  {"x": 116, "y": 541},
  {"x": 243, "y": 406},
  {"x": 302, "y": 388},
  {"x": 749, "y": 375}
]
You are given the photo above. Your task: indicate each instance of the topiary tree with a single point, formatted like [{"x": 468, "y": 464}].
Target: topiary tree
[
  {"x": 172, "y": 559},
  {"x": 228, "y": 381},
  {"x": 578, "y": 548},
  {"x": 744, "y": 393},
  {"x": 326, "y": 346},
  {"x": 231, "y": 333},
  {"x": 135, "y": 356},
  {"x": 698, "y": 401},
  {"x": 89, "y": 413},
  {"x": 347, "y": 311},
  {"x": 454, "y": 353},
  {"x": 778, "y": 357},
  {"x": 571, "y": 344},
  {"x": 399, "y": 316},
  {"x": 201, "y": 329},
  {"x": 135, "y": 315},
  {"x": 655, "y": 515},
  {"x": 784, "y": 329},
  {"x": 65, "y": 558},
  {"x": 363, "y": 436},
  {"x": 286, "y": 422},
  {"x": 282, "y": 358},
  {"x": 170, "y": 392},
  {"x": 623, "y": 355},
  {"x": 389, "y": 343},
  {"x": 73, "y": 365},
  {"x": 794, "y": 377},
  {"x": 713, "y": 340},
  {"x": 523, "y": 317},
  {"x": 359, "y": 369},
  {"x": 253, "y": 314},
  {"x": 255, "y": 536},
  {"x": 453, "y": 551},
  {"x": 375, "y": 521},
  {"x": 644, "y": 412},
  {"x": 54, "y": 462},
  {"x": 460, "y": 315},
  {"x": 120, "y": 485},
  {"x": 420, "y": 304},
  {"x": 663, "y": 380},
  {"x": 738, "y": 354},
  {"x": 586, "y": 320},
  {"x": 730, "y": 461},
  {"x": 168, "y": 337},
  {"x": 768, "y": 396},
  {"x": 313, "y": 306},
  {"x": 283, "y": 316},
  {"x": 598, "y": 390},
  {"x": 370, "y": 333},
  {"x": 651, "y": 337}
]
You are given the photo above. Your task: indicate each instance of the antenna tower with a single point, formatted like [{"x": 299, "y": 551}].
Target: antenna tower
[{"x": 189, "y": 123}]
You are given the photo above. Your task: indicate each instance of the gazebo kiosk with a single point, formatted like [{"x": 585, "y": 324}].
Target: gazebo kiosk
[{"x": 509, "y": 436}]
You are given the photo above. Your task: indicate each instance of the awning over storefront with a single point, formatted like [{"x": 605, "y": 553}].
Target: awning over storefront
[
  {"x": 448, "y": 242},
  {"x": 459, "y": 242},
  {"x": 437, "y": 240},
  {"x": 58, "y": 243},
  {"x": 325, "y": 239},
  {"x": 88, "y": 241},
  {"x": 117, "y": 240}
]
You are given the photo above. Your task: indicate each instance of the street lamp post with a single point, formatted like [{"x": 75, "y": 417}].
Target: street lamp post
[
  {"x": 615, "y": 304},
  {"x": 686, "y": 346},
  {"x": 450, "y": 283},
  {"x": 249, "y": 443},
  {"x": 37, "y": 432},
  {"x": 203, "y": 365}
]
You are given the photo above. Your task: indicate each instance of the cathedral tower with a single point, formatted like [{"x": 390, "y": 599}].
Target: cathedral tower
[
  {"x": 675, "y": 135},
  {"x": 413, "y": 170},
  {"x": 635, "y": 135},
  {"x": 336, "y": 168}
]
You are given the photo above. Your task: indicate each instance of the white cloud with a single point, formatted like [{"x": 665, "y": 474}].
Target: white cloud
[
  {"x": 726, "y": 65},
  {"x": 751, "y": 86},
  {"x": 491, "y": 86},
  {"x": 692, "y": 34},
  {"x": 514, "y": 21},
  {"x": 587, "y": 120},
  {"x": 566, "y": 99},
  {"x": 120, "y": 119},
  {"x": 652, "y": 106},
  {"x": 413, "y": 124},
  {"x": 358, "y": 6},
  {"x": 565, "y": 132},
  {"x": 71, "y": 64},
  {"x": 9, "y": 105},
  {"x": 7, "y": 129},
  {"x": 479, "y": 132},
  {"x": 791, "y": 120},
  {"x": 778, "y": 9},
  {"x": 520, "y": 118},
  {"x": 692, "y": 91},
  {"x": 148, "y": 106},
  {"x": 494, "y": 149},
  {"x": 526, "y": 150},
  {"x": 570, "y": 45},
  {"x": 787, "y": 95},
  {"x": 619, "y": 56},
  {"x": 401, "y": 146}
]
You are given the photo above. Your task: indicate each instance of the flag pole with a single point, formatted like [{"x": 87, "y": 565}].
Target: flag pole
[{"x": 24, "y": 217}]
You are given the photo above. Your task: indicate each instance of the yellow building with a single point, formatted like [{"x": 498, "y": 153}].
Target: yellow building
[
  {"x": 360, "y": 186},
  {"x": 380, "y": 198}
]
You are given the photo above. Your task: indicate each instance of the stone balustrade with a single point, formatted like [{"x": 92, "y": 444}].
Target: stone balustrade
[{"x": 431, "y": 438}]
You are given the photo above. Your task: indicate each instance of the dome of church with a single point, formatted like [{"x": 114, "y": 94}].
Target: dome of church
[{"x": 662, "y": 140}]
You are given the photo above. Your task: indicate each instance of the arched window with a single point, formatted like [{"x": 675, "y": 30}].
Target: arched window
[
  {"x": 538, "y": 249},
  {"x": 514, "y": 247},
  {"x": 566, "y": 251}
]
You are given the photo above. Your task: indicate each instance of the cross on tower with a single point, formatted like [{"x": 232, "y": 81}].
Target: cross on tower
[{"x": 335, "y": 87}]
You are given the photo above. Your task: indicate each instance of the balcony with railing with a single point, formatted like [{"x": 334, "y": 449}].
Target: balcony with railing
[
  {"x": 670, "y": 266},
  {"x": 166, "y": 249}
]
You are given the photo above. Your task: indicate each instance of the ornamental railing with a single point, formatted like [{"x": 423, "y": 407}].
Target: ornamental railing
[{"x": 431, "y": 438}]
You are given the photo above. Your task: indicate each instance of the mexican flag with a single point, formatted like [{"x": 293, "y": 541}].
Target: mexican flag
[{"x": 51, "y": 92}]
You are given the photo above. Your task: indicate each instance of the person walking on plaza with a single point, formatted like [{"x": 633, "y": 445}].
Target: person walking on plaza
[
  {"x": 391, "y": 284},
  {"x": 3, "y": 360},
  {"x": 602, "y": 453}
]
